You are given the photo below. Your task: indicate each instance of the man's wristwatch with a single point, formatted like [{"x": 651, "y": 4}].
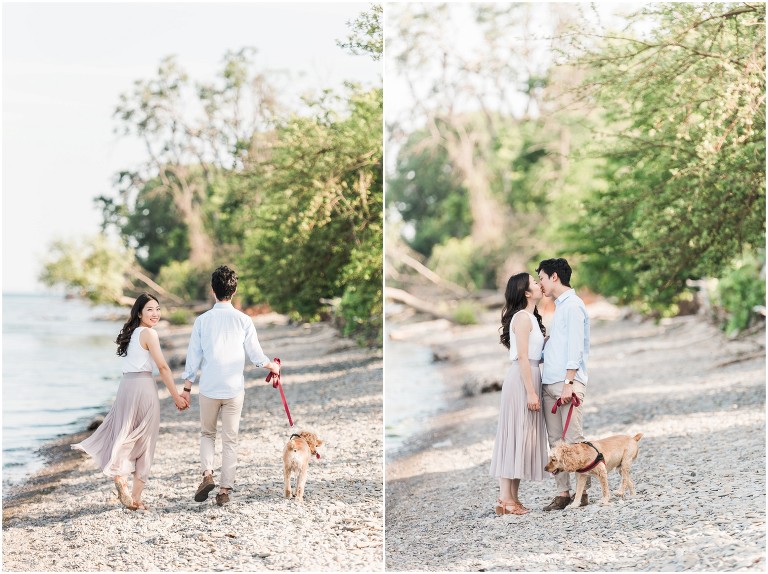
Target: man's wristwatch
[{"x": 186, "y": 390}]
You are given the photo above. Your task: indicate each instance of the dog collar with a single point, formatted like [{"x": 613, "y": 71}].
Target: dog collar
[{"x": 597, "y": 460}]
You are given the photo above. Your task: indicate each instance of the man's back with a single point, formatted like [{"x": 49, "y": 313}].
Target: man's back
[{"x": 221, "y": 337}]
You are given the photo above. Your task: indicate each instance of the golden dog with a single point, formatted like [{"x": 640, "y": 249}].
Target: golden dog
[
  {"x": 296, "y": 456},
  {"x": 618, "y": 452}
]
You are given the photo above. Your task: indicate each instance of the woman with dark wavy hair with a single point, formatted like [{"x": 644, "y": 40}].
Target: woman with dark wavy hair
[
  {"x": 520, "y": 449},
  {"x": 125, "y": 442}
]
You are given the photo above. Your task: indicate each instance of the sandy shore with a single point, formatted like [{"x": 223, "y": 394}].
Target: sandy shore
[
  {"x": 700, "y": 505},
  {"x": 67, "y": 517}
]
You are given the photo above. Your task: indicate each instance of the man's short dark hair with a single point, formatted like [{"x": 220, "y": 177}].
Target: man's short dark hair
[
  {"x": 559, "y": 266},
  {"x": 224, "y": 283}
]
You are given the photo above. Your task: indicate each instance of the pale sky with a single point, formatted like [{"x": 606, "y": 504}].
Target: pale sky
[{"x": 64, "y": 66}]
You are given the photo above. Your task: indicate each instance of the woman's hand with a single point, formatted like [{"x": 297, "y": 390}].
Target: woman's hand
[
  {"x": 181, "y": 402},
  {"x": 533, "y": 402}
]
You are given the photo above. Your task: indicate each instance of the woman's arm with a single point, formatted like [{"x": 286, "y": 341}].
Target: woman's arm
[
  {"x": 521, "y": 326},
  {"x": 150, "y": 340}
]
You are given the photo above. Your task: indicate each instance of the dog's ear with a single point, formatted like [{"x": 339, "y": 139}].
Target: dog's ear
[{"x": 311, "y": 438}]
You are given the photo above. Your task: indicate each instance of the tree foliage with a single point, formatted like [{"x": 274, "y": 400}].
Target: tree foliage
[
  {"x": 426, "y": 193},
  {"x": 367, "y": 35},
  {"x": 92, "y": 267},
  {"x": 321, "y": 214},
  {"x": 685, "y": 149},
  {"x": 481, "y": 122},
  {"x": 289, "y": 195}
]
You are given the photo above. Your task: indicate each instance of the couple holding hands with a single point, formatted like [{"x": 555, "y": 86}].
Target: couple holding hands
[
  {"x": 221, "y": 338},
  {"x": 530, "y": 391}
]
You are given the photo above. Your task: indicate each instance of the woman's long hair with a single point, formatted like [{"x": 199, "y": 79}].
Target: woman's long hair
[
  {"x": 130, "y": 325},
  {"x": 514, "y": 301}
]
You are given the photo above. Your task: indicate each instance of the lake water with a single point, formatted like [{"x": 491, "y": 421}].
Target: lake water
[
  {"x": 413, "y": 390},
  {"x": 59, "y": 371}
]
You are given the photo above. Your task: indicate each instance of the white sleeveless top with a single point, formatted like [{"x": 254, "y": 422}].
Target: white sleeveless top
[
  {"x": 535, "y": 339},
  {"x": 138, "y": 358}
]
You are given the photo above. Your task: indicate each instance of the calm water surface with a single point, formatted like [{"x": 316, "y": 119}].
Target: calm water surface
[
  {"x": 413, "y": 391},
  {"x": 59, "y": 371}
]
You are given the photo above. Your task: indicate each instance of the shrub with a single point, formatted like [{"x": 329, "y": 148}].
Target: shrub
[
  {"x": 181, "y": 279},
  {"x": 180, "y": 317},
  {"x": 463, "y": 263},
  {"x": 361, "y": 308},
  {"x": 466, "y": 313},
  {"x": 740, "y": 290}
]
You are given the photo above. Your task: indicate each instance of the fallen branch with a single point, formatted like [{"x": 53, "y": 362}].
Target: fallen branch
[
  {"x": 414, "y": 302},
  {"x": 425, "y": 271},
  {"x": 147, "y": 281}
]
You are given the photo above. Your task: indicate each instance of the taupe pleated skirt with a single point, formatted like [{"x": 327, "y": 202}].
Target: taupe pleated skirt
[
  {"x": 125, "y": 442},
  {"x": 520, "y": 449}
]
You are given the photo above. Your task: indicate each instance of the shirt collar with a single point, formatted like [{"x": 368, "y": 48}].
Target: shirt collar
[
  {"x": 564, "y": 296},
  {"x": 222, "y": 304}
]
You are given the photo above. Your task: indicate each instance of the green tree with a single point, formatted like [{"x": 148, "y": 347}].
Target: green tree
[
  {"x": 187, "y": 150},
  {"x": 151, "y": 226},
  {"x": 427, "y": 195},
  {"x": 684, "y": 152},
  {"x": 317, "y": 233},
  {"x": 479, "y": 78},
  {"x": 367, "y": 35},
  {"x": 92, "y": 267}
]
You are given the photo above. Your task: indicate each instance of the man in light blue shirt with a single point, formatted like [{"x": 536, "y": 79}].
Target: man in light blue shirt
[
  {"x": 221, "y": 339},
  {"x": 565, "y": 366}
]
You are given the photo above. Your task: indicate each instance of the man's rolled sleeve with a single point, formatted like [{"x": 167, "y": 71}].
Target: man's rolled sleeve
[
  {"x": 194, "y": 354},
  {"x": 575, "y": 355}
]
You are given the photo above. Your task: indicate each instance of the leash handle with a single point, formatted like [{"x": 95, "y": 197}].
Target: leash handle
[
  {"x": 275, "y": 380},
  {"x": 271, "y": 375},
  {"x": 575, "y": 402}
]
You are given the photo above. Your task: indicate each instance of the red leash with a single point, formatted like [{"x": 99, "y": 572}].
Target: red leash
[
  {"x": 275, "y": 380},
  {"x": 575, "y": 402}
]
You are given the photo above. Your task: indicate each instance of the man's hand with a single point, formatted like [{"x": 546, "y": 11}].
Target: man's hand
[
  {"x": 565, "y": 396},
  {"x": 182, "y": 402},
  {"x": 186, "y": 395},
  {"x": 274, "y": 367}
]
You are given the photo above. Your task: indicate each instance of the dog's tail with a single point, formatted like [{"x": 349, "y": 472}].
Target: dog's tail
[{"x": 638, "y": 436}]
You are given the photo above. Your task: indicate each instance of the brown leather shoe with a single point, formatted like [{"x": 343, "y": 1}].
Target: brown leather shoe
[
  {"x": 558, "y": 503},
  {"x": 222, "y": 498},
  {"x": 205, "y": 488}
]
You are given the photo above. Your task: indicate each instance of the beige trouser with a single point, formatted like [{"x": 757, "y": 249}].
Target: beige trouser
[
  {"x": 230, "y": 424},
  {"x": 556, "y": 422}
]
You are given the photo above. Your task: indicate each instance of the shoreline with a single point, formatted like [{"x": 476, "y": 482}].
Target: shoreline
[
  {"x": 58, "y": 458},
  {"x": 698, "y": 397},
  {"x": 68, "y": 518}
]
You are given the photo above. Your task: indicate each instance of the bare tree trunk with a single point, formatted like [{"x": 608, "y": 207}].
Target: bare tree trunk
[
  {"x": 488, "y": 214},
  {"x": 187, "y": 191}
]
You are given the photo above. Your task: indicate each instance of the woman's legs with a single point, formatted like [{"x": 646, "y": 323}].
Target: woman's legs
[
  {"x": 122, "y": 492},
  {"x": 508, "y": 502},
  {"x": 508, "y": 489},
  {"x": 138, "y": 488}
]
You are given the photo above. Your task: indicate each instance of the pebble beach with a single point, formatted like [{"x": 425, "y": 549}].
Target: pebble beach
[
  {"x": 697, "y": 397},
  {"x": 68, "y": 518}
]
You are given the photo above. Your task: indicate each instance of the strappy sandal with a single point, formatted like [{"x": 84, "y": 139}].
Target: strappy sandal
[
  {"x": 510, "y": 507},
  {"x": 123, "y": 495}
]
